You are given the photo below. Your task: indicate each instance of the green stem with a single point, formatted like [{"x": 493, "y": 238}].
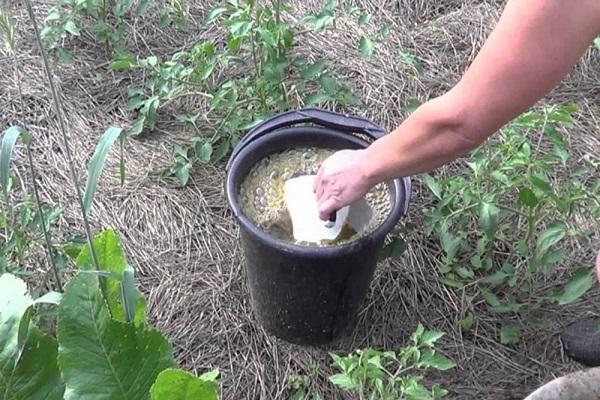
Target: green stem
[
  {"x": 513, "y": 210},
  {"x": 33, "y": 173},
  {"x": 63, "y": 130}
]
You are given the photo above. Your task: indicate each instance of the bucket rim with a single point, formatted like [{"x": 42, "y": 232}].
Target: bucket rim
[{"x": 401, "y": 188}]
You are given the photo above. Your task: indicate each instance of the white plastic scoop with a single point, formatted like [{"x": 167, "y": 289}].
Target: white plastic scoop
[{"x": 301, "y": 203}]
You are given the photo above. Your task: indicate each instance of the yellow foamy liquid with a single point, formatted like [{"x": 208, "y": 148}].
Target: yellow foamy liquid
[{"x": 262, "y": 200}]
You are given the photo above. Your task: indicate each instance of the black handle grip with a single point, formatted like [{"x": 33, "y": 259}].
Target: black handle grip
[{"x": 328, "y": 119}]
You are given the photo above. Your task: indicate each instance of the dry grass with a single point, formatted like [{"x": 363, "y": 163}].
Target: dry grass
[{"x": 184, "y": 243}]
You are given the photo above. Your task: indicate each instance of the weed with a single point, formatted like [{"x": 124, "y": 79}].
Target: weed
[
  {"x": 387, "y": 375},
  {"x": 515, "y": 203}
]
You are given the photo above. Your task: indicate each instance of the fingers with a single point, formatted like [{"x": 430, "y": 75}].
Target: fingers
[{"x": 328, "y": 207}]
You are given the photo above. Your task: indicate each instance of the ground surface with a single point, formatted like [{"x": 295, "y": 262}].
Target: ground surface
[{"x": 184, "y": 242}]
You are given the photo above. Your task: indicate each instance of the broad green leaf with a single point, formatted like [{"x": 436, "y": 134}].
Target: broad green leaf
[
  {"x": 597, "y": 42},
  {"x": 412, "y": 104},
  {"x": 433, "y": 359},
  {"x": 541, "y": 184},
  {"x": 343, "y": 381},
  {"x": 72, "y": 28},
  {"x": 27, "y": 372},
  {"x": 465, "y": 273},
  {"x": 366, "y": 46},
  {"x": 488, "y": 219},
  {"x": 203, "y": 151},
  {"x": 311, "y": 71},
  {"x": 101, "y": 358},
  {"x": 8, "y": 144},
  {"x": 497, "y": 278},
  {"x": 384, "y": 31},
  {"x": 328, "y": 84},
  {"x": 364, "y": 19},
  {"x": 49, "y": 298},
  {"x": 65, "y": 56},
  {"x": 416, "y": 335},
  {"x": 409, "y": 59},
  {"x": 394, "y": 249},
  {"x": 510, "y": 334},
  {"x": 432, "y": 185},
  {"x": 330, "y": 5},
  {"x": 430, "y": 337},
  {"x": 490, "y": 298},
  {"x": 143, "y": 7},
  {"x": 528, "y": 198},
  {"x": 581, "y": 281},
  {"x": 97, "y": 164},
  {"x": 450, "y": 243},
  {"x": 182, "y": 172},
  {"x": 467, "y": 322},
  {"x": 553, "y": 234},
  {"x": 111, "y": 258},
  {"x": 221, "y": 150},
  {"x": 210, "y": 376},
  {"x": 177, "y": 384},
  {"x": 214, "y": 14}
]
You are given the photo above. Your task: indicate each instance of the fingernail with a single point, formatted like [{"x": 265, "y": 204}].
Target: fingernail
[{"x": 331, "y": 221}]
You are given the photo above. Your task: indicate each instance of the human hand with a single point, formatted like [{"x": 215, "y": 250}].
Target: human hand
[{"x": 341, "y": 180}]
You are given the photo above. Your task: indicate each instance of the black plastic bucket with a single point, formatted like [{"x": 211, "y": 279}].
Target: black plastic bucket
[{"x": 307, "y": 295}]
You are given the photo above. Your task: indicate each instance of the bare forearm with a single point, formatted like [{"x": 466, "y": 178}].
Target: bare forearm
[
  {"x": 534, "y": 45},
  {"x": 429, "y": 138}
]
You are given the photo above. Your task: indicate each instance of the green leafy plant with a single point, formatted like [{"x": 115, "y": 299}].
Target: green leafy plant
[
  {"x": 107, "y": 21},
  {"x": 387, "y": 375},
  {"x": 502, "y": 222},
  {"x": 104, "y": 348},
  {"x": 99, "y": 344},
  {"x": 300, "y": 384},
  {"x": 275, "y": 79}
]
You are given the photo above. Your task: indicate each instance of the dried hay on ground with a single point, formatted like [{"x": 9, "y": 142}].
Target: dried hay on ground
[{"x": 183, "y": 241}]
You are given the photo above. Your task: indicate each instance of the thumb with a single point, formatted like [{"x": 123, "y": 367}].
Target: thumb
[{"x": 328, "y": 207}]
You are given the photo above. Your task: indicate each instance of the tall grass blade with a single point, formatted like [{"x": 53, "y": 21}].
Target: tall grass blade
[
  {"x": 97, "y": 165},
  {"x": 9, "y": 139},
  {"x": 129, "y": 293},
  {"x": 6, "y": 29}
]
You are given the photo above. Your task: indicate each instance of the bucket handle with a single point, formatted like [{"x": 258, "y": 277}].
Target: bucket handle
[{"x": 328, "y": 119}]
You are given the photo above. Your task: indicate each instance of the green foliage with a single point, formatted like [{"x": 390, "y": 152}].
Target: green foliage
[
  {"x": 502, "y": 222},
  {"x": 112, "y": 259},
  {"x": 100, "y": 357},
  {"x": 28, "y": 368},
  {"x": 510, "y": 334},
  {"x": 597, "y": 42},
  {"x": 300, "y": 384},
  {"x": 7, "y": 32},
  {"x": 24, "y": 231},
  {"x": 9, "y": 139},
  {"x": 387, "y": 375},
  {"x": 278, "y": 80},
  {"x": 107, "y": 21},
  {"x": 99, "y": 353},
  {"x": 97, "y": 164},
  {"x": 176, "y": 384}
]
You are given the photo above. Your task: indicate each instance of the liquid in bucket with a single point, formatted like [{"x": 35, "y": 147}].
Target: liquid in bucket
[{"x": 262, "y": 199}]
